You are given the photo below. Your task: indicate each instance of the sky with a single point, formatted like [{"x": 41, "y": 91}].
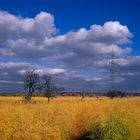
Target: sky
[{"x": 72, "y": 40}]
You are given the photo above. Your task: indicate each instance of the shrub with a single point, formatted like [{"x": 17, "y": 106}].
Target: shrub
[
  {"x": 115, "y": 93},
  {"x": 115, "y": 130}
]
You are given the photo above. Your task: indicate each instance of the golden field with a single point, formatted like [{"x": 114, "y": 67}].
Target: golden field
[{"x": 70, "y": 118}]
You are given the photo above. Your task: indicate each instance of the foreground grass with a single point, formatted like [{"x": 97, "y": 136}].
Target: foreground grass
[{"x": 70, "y": 118}]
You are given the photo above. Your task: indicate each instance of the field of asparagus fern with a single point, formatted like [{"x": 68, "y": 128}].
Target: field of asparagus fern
[{"x": 70, "y": 118}]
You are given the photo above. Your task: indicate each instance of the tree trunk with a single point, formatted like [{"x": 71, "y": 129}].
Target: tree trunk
[{"x": 48, "y": 100}]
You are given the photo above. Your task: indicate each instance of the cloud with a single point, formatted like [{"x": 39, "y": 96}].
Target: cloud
[
  {"x": 12, "y": 73},
  {"x": 15, "y": 71},
  {"x": 87, "y": 48},
  {"x": 72, "y": 57},
  {"x": 19, "y": 34},
  {"x": 13, "y": 27},
  {"x": 37, "y": 38}
]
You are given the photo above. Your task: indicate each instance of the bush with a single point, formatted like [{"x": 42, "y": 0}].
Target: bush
[
  {"x": 115, "y": 93},
  {"x": 113, "y": 129}
]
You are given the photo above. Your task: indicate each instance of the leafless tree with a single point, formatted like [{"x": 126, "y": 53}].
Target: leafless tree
[
  {"x": 31, "y": 83},
  {"x": 82, "y": 94},
  {"x": 49, "y": 86}
]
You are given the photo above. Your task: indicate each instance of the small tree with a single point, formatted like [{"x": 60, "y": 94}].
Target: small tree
[
  {"x": 31, "y": 83},
  {"x": 82, "y": 94},
  {"x": 48, "y": 86}
]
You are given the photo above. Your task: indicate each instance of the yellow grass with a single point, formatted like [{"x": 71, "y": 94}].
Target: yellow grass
[{"x": 65, "y": 118}]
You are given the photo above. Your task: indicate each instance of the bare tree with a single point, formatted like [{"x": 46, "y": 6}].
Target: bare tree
[
  {"x": 82, "y": 94},
  {"x": 48, "y": 86},
  {"x": 31, "y": 83}
]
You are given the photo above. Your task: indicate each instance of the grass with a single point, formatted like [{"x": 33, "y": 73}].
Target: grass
[{"x": 70, "y": 118}]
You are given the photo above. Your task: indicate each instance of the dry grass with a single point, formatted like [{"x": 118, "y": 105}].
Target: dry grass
[{"x": 66, "y": 118}]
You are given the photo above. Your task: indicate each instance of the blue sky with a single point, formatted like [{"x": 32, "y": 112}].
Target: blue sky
[{"x": 70, "y": 16}]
